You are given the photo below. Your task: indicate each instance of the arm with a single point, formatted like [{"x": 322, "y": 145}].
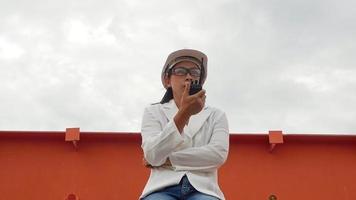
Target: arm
[
  {"x": 208, "y": 157},
  {"x": 157, "y": 141}
]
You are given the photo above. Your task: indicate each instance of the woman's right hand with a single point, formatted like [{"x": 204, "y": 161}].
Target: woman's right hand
[
  {"x": 192, "y": 104},
  {"x": 189, "y": 105}
]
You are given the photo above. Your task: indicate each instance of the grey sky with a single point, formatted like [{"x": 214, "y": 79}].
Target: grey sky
[{"x": 273, "y": 64}]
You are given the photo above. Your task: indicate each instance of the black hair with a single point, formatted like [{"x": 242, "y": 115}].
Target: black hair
[{"x": 167, "y": 96}]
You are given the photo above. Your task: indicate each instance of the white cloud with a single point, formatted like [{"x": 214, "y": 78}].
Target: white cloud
[
  {"x": 79, "y": 32},
  {"x": 10, "y": 50},
  {"x": 272, "y": 65}
]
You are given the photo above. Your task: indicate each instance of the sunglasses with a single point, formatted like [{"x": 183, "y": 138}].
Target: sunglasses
[{"x": 183, "y": 71}]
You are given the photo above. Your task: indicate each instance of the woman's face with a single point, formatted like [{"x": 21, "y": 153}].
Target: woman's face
[{"x": 177, "y": 81}]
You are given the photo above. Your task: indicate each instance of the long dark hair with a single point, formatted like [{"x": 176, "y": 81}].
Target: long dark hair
[{"x": 167, "y": 96}]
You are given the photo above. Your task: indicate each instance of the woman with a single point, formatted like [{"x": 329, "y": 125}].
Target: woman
[{"x": 184, "y": 142}]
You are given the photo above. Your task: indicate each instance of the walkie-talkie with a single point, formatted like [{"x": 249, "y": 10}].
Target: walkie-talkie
[{"x": 194, "y": 87}]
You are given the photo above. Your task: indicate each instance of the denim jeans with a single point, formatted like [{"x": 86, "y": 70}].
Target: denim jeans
[{"x": 183, "y": 191}]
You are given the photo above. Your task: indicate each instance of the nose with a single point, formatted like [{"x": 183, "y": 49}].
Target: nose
[{"x": 188, "y": 77}]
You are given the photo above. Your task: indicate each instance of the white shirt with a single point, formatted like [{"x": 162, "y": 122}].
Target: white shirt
[{"x": 198, "y": 152}]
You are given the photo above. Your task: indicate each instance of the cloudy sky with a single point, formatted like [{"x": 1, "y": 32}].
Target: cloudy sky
[{"x": 273, "y": 64}]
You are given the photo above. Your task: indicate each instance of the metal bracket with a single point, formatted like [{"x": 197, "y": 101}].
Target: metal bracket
[
  {"x": 275, "y": 137},
  {"x": 272, "y": 197},
  {"x": 72, "y": 197},
  {"x": 73, "y": 135}
]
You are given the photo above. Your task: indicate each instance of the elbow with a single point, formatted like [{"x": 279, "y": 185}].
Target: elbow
[
  {"x": 152, "y": 157},
  {"x": 154, "y": 160},
  {"x": 222, "y": 154}
]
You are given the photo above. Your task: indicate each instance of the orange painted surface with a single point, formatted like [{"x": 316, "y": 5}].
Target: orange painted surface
[{"x": 42, "y": 165}]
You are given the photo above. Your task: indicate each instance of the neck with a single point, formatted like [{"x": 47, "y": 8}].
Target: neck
[{"x": 177, "y": 100}]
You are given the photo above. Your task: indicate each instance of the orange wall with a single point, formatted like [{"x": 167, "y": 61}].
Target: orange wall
[{"x": 41, "y": 165}]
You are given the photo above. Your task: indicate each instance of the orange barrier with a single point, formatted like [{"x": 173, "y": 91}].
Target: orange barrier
[{"x": 42, "y": 165}]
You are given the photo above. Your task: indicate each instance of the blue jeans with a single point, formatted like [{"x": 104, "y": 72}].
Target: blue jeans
[{"x": 183, "y": 191}]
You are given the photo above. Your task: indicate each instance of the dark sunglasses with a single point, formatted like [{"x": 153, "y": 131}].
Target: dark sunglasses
[{"x": 183, "y": 71}]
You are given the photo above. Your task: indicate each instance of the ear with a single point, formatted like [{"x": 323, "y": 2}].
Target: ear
[{"x": 167, "y": 81}]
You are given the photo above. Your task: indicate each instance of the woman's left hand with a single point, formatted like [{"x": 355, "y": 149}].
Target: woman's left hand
[{"x": 148, "y": 165}]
